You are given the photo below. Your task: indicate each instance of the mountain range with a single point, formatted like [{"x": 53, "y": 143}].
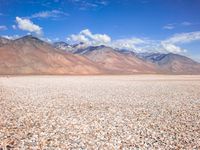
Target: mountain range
[{"x": 29, "y": 55}]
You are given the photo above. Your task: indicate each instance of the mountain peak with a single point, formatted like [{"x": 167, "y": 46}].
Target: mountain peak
[
  {"x": 62, "y": 45},
  {"x": 88, "y": 49},
  {"x": 29, "y": 39},
  {"x": 61, "y": 42}
]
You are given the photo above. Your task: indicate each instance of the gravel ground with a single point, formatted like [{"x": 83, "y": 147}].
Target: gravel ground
[{"x": 100, "y": 112}]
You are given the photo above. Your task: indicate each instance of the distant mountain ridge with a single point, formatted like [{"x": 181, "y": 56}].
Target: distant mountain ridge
[
  {"x": 88, "y": 49},
  {"x": 62, "y": 45},
  {"x": 114, "y": 61},
  {"x": 4, "y": 41},
  {"x": 30, "y": 55},
  {"x": 67, "y": 47},
  {"x": 172, "y": 63}
]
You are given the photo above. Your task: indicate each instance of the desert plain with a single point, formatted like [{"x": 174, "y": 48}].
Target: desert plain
[{"x": 100, "y": 112}]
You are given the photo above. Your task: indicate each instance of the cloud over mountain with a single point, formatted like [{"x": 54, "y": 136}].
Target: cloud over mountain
[
  {"x": 13, "y": 37},
  {"x": 28, "y": 25},
  {"x": 172, "y": 44},
  {"x": 87, "y": 37},
  {"x": 128, "y": 43}
]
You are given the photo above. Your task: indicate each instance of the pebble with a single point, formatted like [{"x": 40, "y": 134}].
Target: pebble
[{"x": 100, "y": 112}]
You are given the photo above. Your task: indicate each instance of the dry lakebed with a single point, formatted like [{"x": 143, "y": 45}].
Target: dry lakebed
[{"x": 100, "y": 112}]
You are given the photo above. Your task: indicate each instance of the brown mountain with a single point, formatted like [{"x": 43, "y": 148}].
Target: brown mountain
[
  {"x": 29, "y": 55},
  {"x": 116, "y": 62},
  {"x": 178, "y": 64},
  {"x": 173, "y": 63}
]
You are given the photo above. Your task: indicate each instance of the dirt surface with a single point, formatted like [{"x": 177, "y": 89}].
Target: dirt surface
[{"x": 100, "y": 112}]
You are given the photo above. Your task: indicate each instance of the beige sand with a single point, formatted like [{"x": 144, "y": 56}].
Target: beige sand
[{"x": 105, "y": 112}]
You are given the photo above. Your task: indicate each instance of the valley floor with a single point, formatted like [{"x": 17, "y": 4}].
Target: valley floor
[{"x": 105, "y": 112}]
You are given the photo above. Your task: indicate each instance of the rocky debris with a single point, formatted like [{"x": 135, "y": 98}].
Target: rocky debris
[{"x": 100, "y": 112}]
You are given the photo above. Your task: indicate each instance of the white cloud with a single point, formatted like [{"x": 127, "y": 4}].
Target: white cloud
[
  {"x": 2, "y": 27},
  {"x": 103, "y": 2},
  {"x": 186, "y": 23},
  {"x": 178, "y": 25},
  {"x": 171, "y": 48},
  {"x": 170, "y": 45},
  {"x": 13, "y": 37},
  {"x": 87, "y": 37},
  {"x": 14, "y": 27},
  {"x": 102, "y": 38},
  {"x": 184, "y": 37},
  {"x": 48, "y": 40},
  {"x": 56, "y": 39},
  {"x": 49, "y": 14},
  {"x": 169, "y": 27},
  {"x": 28, "y": 25},
  {"x": 85, "y": 5},
  {"x": 129, "y": 43},
  {"x": 78, "y": 38}
]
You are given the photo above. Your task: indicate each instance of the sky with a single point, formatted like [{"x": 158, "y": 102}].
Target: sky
[{"x": 138, "y": 25}]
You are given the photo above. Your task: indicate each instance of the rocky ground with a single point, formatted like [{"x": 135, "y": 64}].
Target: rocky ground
[{"x": 100, "y": 112}]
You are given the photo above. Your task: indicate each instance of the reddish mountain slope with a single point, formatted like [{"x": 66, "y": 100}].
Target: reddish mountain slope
[
  {"x": 177, "y": 64},
  {"x": 173, "y": 63},
  {"x": 116, "y": 62},
  {"x": 29, "y": 55}
]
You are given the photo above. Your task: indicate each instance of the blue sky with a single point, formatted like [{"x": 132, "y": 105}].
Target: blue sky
[{"x": 139, "y": 25}]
